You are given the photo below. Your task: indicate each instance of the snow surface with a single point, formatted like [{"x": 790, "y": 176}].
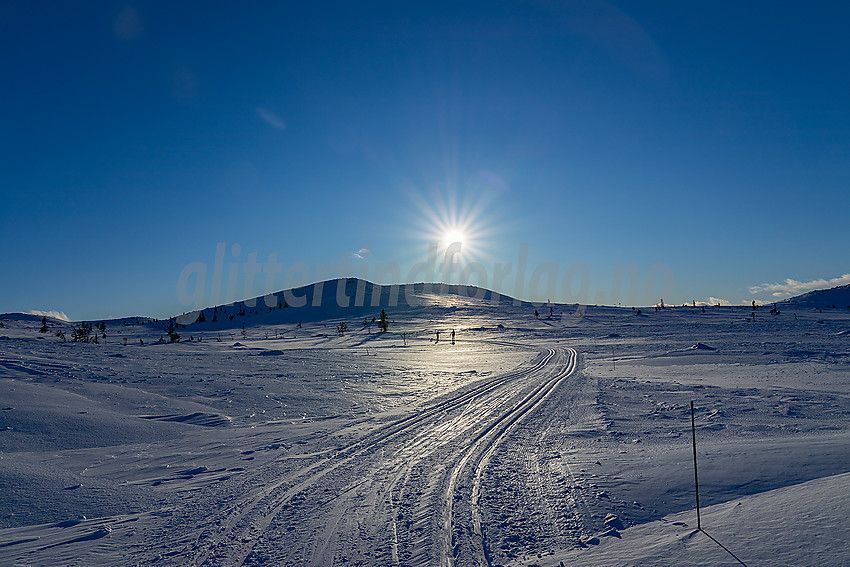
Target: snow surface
[
  {"x": 820, "y": 299},
  {"x": 526, "y": 441}
]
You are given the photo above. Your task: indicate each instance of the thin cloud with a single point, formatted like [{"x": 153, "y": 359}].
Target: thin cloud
[
  {"x": 271, "y": 118},
  {"x": 54, "y": 314},
  {"x": 794, "y": 287},
  {"x": 361, "y": 254}
]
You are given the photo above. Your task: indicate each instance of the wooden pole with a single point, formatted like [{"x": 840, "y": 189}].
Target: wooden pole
[{"x": 696, "y": 478}]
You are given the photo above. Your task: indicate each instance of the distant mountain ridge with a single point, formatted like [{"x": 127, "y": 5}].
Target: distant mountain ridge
[
  {"x": 362, "y": 298},
  {"x": 838, "y": 297},
  {"x": 346, "y": 297},
  {"x": 331, "y": 299}
]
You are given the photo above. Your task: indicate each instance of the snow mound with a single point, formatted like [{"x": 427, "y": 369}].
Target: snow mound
[
  {"x": 613, "y": 521},
  {"x": 272, "y": 352},
  {"x": 693, "y": 350},
  {"x": 70, "y": 523},
  {"x": 198, "y": 418}
]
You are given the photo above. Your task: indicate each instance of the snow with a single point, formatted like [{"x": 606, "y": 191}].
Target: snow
[
  {"x": 524, "y": 441},
  {"x": 802, "y": 524},
  {"x": 833, "y": 298}
]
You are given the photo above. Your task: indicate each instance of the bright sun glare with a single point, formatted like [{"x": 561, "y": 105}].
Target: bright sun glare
[
  {"x": 452, "y": 236},
  {"x": 444, "y": 219}
]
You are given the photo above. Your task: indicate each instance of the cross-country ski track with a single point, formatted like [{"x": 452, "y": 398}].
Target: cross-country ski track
[{"x": 423, "y": 469}]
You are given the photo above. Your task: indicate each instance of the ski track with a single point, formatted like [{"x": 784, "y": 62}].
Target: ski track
[
  {"x": 418, "y": 480},
  {"x": 488, "y": 443}
]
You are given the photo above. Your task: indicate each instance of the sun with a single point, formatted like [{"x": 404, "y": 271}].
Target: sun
[
  {"x": 452, "y": 236},
  {"x": 458, "y": 225}
]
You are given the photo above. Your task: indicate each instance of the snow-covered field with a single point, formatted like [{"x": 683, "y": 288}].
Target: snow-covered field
[{"x": 526, "y": 441}]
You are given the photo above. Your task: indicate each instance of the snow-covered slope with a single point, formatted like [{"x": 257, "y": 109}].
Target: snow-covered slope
[
  {"x": 802, "y": 524},
  {"x": 345, "y": 298},
  {"x": 833, "y": 298},
  {"x": 509, "y": 438}
]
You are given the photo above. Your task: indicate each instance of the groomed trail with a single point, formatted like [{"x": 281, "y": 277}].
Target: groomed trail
[
  {"x": 295, "y": 446},
  {"x": 411, "y": 492}
]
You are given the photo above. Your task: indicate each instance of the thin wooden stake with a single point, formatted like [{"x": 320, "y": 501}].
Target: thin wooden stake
[{"x": 696, "y": 478}]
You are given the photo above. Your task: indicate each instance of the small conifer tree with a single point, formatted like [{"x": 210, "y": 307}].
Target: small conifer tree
[
  {"x": 82, "y": 333},
  {"x": 172, "y": 335}
]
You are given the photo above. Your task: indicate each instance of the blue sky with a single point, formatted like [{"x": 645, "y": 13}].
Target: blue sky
[{"x": 698, "y": 151}]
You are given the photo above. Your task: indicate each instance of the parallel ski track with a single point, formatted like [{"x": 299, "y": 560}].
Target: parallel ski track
[
  {"x": 278, "y": 494},
  {"x": 482, "y": 448}
]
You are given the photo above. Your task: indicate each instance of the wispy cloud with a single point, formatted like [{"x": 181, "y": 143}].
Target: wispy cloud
[
  {"x": 55, "y": 314},
  {"x": 793, "y": 287},
  {"x": 271, "y": 118},
  {"x": 361, "y": 254}
]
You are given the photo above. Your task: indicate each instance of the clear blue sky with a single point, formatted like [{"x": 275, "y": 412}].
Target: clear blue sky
[{"x": 707, "y": 144}]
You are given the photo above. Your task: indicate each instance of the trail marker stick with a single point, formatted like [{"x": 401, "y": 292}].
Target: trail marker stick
[{"x": 696, "y": 478}]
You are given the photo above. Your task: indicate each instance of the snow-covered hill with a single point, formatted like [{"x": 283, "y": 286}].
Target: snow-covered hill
[
  {"x": 345, "y": 298},
  {"x": 470, "y": 431},
  {"x": 833, "y": 298}
]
